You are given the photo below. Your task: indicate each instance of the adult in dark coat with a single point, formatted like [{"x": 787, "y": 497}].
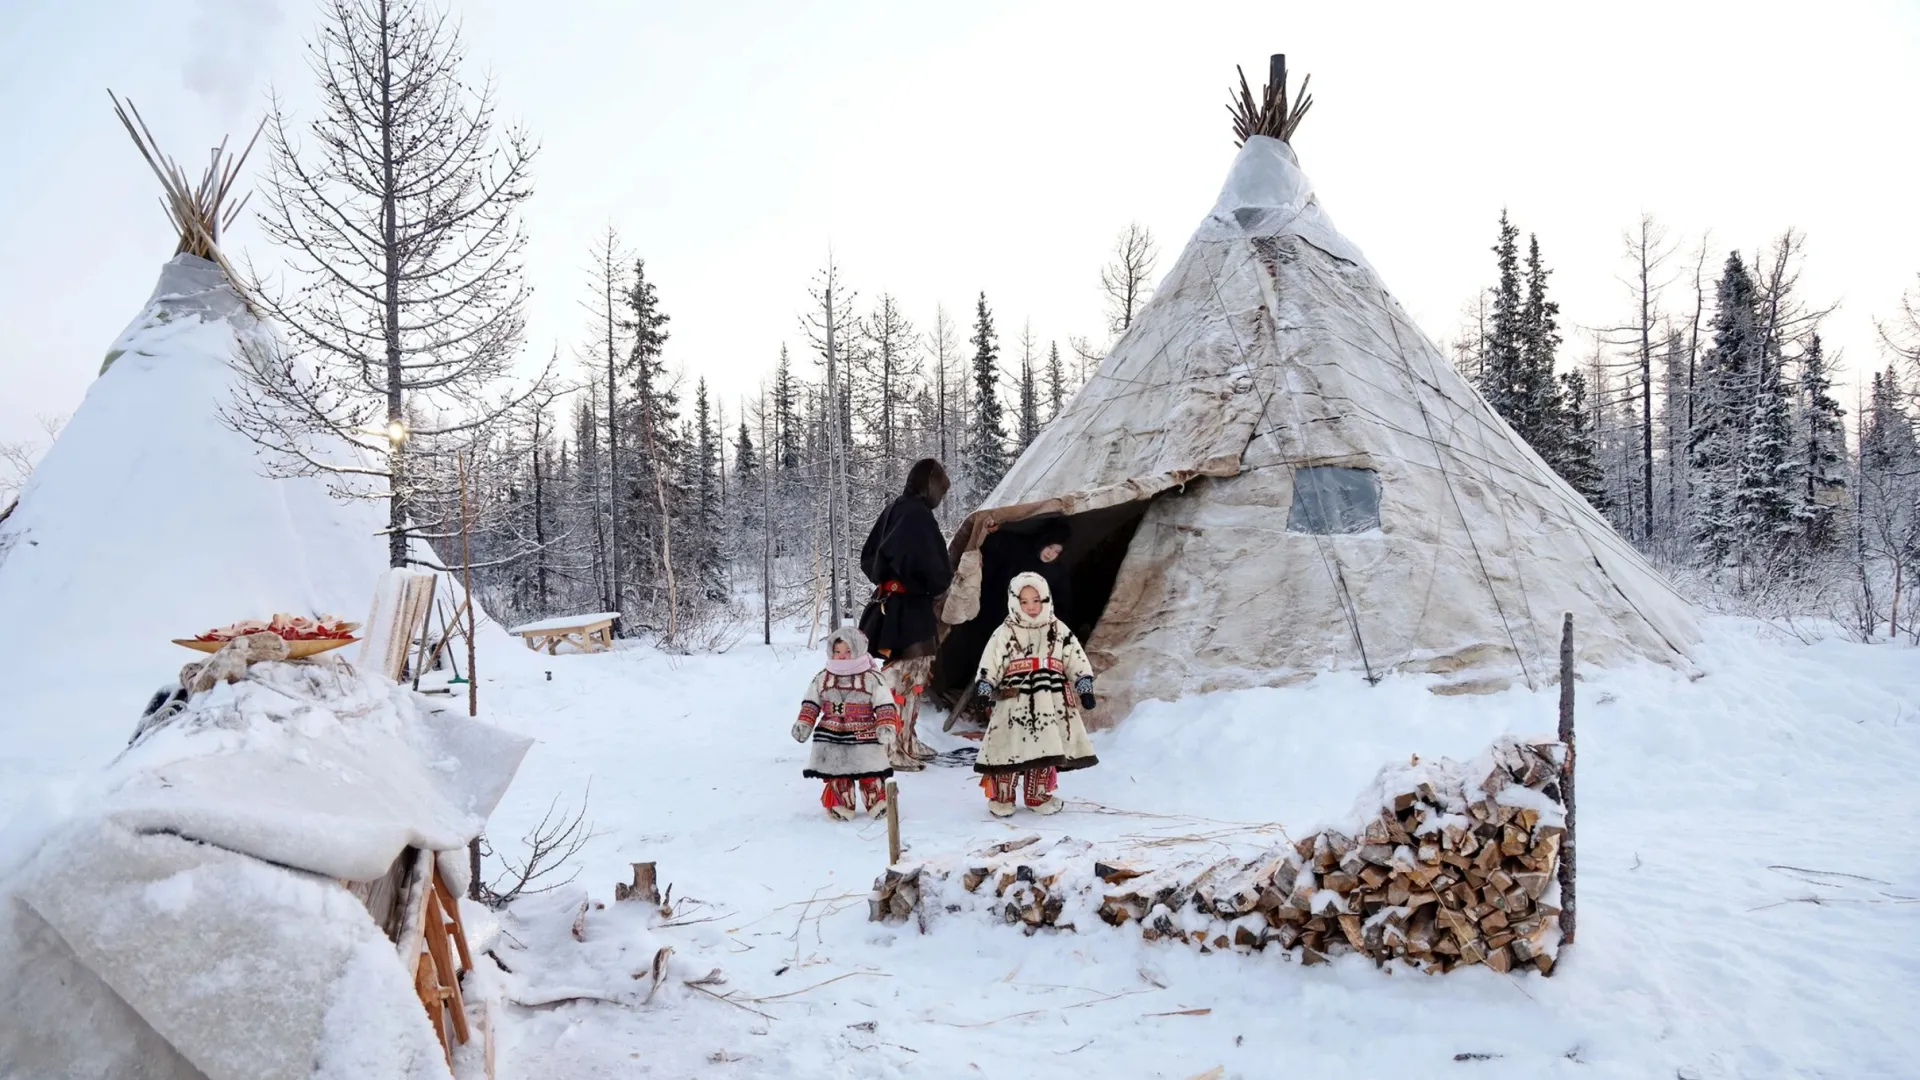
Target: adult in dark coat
[{"x": 906, "y": 559}]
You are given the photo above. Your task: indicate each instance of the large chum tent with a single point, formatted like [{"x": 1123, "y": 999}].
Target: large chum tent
[{"x": 1275, "y": 473}]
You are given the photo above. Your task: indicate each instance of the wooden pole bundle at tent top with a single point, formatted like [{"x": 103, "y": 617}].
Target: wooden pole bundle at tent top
[
  {"x": 200, "y": 212},
  {"x": 1271, "y": 115}
]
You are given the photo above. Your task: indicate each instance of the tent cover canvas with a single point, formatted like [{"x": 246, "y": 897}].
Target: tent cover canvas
[
  {"x": 1275, "y": 473},
  {"x": 150, "y": 518}
]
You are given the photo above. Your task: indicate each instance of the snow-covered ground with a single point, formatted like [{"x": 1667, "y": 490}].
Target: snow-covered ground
[{"x": 1748, "y": 844}]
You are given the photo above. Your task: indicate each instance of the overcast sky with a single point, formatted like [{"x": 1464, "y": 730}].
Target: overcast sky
[{"x": 941, "y": 150}]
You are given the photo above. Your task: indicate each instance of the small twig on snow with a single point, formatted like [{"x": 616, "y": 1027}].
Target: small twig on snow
[
  {"x": 730, "y": 1001},
  {"x": 816, "y": 986}
]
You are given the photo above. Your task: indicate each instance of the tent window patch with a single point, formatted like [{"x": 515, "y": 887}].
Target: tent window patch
[{"x": 1334, "y": 499}]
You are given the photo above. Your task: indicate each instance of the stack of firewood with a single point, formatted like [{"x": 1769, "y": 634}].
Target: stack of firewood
[{"x": 1447, "y": 865}]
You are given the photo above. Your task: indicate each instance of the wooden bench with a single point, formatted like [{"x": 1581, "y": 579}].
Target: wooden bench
[{"x": 588, "y": 633}]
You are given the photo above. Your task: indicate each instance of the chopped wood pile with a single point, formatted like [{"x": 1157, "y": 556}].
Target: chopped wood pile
[{"x": 1443, "y": 865}]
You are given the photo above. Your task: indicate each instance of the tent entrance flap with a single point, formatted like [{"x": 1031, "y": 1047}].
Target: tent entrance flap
[{"x": 1095, "y": 549}]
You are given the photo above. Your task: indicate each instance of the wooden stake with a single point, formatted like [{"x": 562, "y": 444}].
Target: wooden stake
[
  {"x": 487, "y": 1002},
  {"x": 1566, "y": 779},
  {"x": 466, "y": 585},
  {"x": 1893, "y": 612},
  {"x": 893, "y": 823}
]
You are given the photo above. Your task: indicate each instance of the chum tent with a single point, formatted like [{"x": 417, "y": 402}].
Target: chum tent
[
  {"x": 150, "y": 518},
  {"x": 1274, "y": 473},
  {"x": 262, "y": 884}
]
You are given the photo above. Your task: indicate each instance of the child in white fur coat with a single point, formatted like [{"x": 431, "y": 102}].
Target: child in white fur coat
[{"x": 1034, "y": 672}]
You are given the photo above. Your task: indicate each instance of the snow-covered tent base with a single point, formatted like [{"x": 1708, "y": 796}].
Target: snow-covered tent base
[{"x": 247, "y": 892}]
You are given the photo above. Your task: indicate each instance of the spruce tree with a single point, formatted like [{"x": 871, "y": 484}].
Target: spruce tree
[
  {"x": 708, "y": 539},
  {"x": 1822, "y": 457},
  {"x": 1579, "y": 463},
  {"x": 1889, "y": 512},
  {"x": 1765, "y": 492},
  {"x": 786, "y": 418},
  {"x": 746, "y": 459},
  {"x": 987, "y": 441},
  {"x": 1505, "y": 382},
  {"x": 1029, "y": 403},
  {"x": 1887, "y": 442},
  {"x": 652, "y": 420},
  {"x": 1723, "y": 414},
  {"x": 746, "y": 474},
  {"x": 594, "y": 495},
  {"x": 1056, "y": 382},
  {"x": 1676, "y": 366},
  {"x": 1536, "y": 398}
]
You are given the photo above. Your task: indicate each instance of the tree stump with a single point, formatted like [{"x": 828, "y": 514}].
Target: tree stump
[{"x": 645, "y": 885}]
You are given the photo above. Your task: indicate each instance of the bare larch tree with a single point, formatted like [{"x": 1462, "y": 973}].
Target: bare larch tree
[
  {"x": 829, "y": 328},
  {"x": 1127, "y": 279},
  {"x": 1647, "y": 251},
  {"x": 608, "y": 285},
  {"x": 402, "y": 295}
]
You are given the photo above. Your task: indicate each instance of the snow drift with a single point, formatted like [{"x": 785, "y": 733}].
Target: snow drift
[{"x": 193, "y": 920}]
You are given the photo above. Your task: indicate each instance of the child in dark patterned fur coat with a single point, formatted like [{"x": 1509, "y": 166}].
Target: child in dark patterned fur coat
[{"x": 850, "y": 716}]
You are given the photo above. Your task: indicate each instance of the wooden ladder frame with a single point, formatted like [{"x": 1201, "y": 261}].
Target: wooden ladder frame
[{"x": 435, "y": 939}]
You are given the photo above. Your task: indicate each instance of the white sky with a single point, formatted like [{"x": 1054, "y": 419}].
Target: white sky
[{"x": 945, "y": 149}]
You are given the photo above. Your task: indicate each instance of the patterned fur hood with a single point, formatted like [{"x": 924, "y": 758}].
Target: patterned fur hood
[{"x": 1017, "y": 617}]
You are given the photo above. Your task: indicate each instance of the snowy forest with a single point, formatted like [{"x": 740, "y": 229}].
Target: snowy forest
[
  {"x": 1703, "y": 417},
  {"x": 1704, "y": 423}
]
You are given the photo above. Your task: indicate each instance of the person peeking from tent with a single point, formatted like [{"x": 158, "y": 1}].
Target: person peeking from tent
[
  {"x": 906, "y": 559},
  {"x": 850, "y": 717},
  {"x": 1004, "y": 555},
  {"x": 1038, "y": 678}
]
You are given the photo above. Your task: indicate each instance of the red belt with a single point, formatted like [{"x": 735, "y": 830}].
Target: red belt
[{"x": 892, "y": 588}]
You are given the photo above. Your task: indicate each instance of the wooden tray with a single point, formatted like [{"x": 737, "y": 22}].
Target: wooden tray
[{"x": 296, "y": 650}]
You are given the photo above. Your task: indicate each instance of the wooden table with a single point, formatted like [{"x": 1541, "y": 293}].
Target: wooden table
[{"x": 588, "y": 633}]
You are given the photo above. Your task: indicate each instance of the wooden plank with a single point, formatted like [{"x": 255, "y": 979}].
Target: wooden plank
[
  {"x": 449, "y": 979},
  {"x": 451, "y": 908},
  {"x": 426, "y": 986}
]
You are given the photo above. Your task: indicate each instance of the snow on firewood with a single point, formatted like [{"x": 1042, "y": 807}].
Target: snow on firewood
[{"x": 1440, "y": 864}]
